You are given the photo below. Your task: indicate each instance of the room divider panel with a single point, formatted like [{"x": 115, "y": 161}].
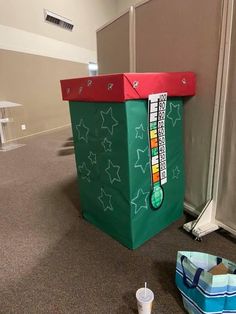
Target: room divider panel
[
  {"x": 113, "y": 45},
  {"x": 189, "y": 35},
  {"x": 226, "y": 211},
  {"x": 180, "y": 35}
]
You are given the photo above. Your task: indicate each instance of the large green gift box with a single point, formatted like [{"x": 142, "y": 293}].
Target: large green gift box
[{"x": 128, "y": 136}]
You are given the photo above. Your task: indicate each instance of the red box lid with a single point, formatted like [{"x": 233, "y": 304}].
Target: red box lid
[{"x": 124, "y": 86}]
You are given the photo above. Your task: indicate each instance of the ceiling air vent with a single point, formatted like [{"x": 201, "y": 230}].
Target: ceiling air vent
[{"x": 58, "y": 20}]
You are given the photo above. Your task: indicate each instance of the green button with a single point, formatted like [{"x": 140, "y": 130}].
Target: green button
[
  {"x": 154, "y": 151},
  {"x": 153, "y": 125}
]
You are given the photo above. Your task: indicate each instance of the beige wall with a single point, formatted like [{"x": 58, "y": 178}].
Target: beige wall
[
  {"x": 34, "y": 81},
  {"x": 123, "y": 5},
  {"x": 35, "y": 55},
  {"x": 87, "y": 16}
]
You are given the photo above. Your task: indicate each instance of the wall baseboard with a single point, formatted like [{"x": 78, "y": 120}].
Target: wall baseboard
[{"x": 38, "y": 133}]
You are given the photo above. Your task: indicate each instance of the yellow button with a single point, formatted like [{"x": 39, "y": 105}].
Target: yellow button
[
  {"x": 153, "y": 133},
  {"x": 155, "y": 168}
]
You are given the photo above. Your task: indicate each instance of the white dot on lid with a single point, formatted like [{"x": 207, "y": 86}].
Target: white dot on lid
[
  {"x": 89, "y": 82},
  {"x": 110, "y": 86},
  {"x": 135, "y": 84}
]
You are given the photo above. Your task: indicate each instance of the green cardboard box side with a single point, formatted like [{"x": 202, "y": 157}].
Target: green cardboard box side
[{"x": 113, "y": 165}]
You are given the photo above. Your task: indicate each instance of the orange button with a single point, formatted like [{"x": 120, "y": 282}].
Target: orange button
[
  {"x": 155, "y": 177},
  {"x": 154, "y": 142}
]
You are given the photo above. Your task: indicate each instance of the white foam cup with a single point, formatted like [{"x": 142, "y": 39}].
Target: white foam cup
[{"x": 144, "y": 300}]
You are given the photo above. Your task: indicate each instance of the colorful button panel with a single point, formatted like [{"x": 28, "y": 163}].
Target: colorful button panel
[{"x": 157, "y": 113}]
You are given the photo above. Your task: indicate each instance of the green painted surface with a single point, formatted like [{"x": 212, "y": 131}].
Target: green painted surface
[{"x": 113, "y": 164}]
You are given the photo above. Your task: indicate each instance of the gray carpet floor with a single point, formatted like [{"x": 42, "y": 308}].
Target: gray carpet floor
[{"x": 53, "y": 261}]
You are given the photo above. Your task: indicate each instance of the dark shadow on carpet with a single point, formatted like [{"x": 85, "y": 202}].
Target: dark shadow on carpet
[
  {"x": 227, "y": 236},
  {"x": 165, "y": 273},
  {"x": 71, "y": 189},
  {"x": 66, "y": 151},
  {"x": 68, "y": 144}
]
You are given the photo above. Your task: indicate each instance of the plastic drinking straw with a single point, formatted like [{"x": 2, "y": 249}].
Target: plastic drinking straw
[{"x": 145, "y": 290}]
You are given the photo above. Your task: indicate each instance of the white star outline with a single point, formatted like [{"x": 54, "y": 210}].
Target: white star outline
[
  {"x": 82, "y": 125},
  {"x": 176, "y": 107},
  {"x": 138, "y": 133},
  {"x": 87, "y": 170},
  {"x": 139, "y": 165},
  {"x": 103, "y": 193},
  {"x": 92, "y": 157},
  {"x": 117, "y": 167},
  {"x": 176, "y": 173},
  {"x": 104, "y": 142},
  {"x": 108, "y": 112},
  {"x": 140, "y": 192}
]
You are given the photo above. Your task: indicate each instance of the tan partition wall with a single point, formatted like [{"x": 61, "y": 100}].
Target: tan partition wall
[
  {"x": 184, "y": 35},
  {"x": 226, "y": 207},
  {"x": 113, "y": 46},
  {"x": 34, "y": 82}
]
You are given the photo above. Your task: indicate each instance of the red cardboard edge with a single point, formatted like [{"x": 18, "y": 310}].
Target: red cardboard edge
[{"x": 124, "y": 86}]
